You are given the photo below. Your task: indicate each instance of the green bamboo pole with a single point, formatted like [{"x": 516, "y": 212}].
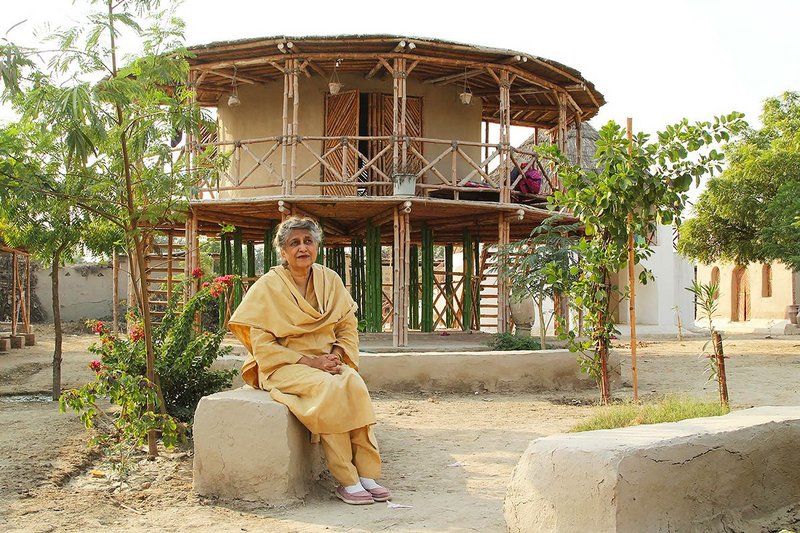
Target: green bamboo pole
[
  {"x": 270, "y": 256},
  {"x": 357, "y": 275},
  {"x": 336, "y": 261},
  {"x": 221, "y": 270},
  {"x": 448, "y": 284},
  {"x": 426, "y": 324},
  {"x": 251, "y": 259},
  {"x": 477, "y": 270},
  {"x": 413, "y": 287},
  {"x": 466, "y": 301},
  {"x": 321, "y": 251},
  {"x": 228, "y": 254},
  {"x": 237, "y": 267},
  {"x": 374, "y": 288}
]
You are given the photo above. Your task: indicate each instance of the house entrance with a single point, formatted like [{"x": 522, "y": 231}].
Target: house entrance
[
  {"x": 740, "y": 292},
  {"x": 354, "y": 114}
]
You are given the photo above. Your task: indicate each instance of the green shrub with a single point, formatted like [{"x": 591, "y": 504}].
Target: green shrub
[
  {"x": 184, "y": 353},
  {"x": 669, "y": 409},
  {"x": 506, "y": 342}
]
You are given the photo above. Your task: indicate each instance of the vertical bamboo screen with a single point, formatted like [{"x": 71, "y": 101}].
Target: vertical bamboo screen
[
  {"x": 251, "y": 262},
  {"x": 374, "y": 275},
  {"x": 476, "y": 320},
  {"x": 413, "y": 124},
  {"x": 426, "y": 324},
  {"x": 336, "y": 261},
  {"x": 413, "y": 288},
  {"x": 357, "y": 275}
]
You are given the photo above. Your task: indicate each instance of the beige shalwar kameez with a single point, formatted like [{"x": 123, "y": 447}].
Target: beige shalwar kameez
[{"x": 278, "y": 325}]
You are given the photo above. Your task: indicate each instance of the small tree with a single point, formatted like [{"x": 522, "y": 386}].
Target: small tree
[
  {"x": 707, "y": 297},
  {"x": 534, "y": 266},
  {"x": 648, "y": 180},
  {"x": 116, "y": 131}
]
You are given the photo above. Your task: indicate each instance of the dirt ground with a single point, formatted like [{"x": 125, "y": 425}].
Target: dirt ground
[{"x": 447, "y": 457}]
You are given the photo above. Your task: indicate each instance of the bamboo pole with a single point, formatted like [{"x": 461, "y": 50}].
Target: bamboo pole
[
  {"x": 251, "y": 260},
  {"x": 115, "y": 288},
  {"x": 396, "y": 275},
  {"x": 170, "y": 259},
  {"x": 413, "y": 282},
  {"x": 295, "y": 81},
  {"x": 285, "y": 130},
  {"x": 28, "y": 328},
  {"x": 426, "y": 323},
  {"x": 195, "y": 250},
  {"x": 632, "y": 282},
  {"x": 395, "y": 116},
  {"x": 466, "y": 299},
  {"x": 478, "y": 277},
  {"x": 721, "y": 377},
  {"x": 237, "y": 267},
  {"x": 270, "y": 259},
  {"x": 373, "y": 290},
  {"x": 505, "y": 134},
  {"x": 502, "y": 285},
  {"x": 222, "y": 270},
  {"x": 448, "y": 284},
  {"x": 13, "y": 293}
]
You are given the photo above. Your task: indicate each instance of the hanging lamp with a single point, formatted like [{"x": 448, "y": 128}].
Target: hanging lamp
[
  {"x": 334, "y": 86},
  {"x": 233, "y": 99},
  {"x": 466, "y": 95}
]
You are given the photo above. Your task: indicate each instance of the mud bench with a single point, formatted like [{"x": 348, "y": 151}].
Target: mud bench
[
  {"x": 736, "y": 472},
  {"x": 249, "y": 447}
]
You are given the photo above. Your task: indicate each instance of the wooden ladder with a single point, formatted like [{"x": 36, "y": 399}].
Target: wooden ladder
[{"x": 164, "y": 270}]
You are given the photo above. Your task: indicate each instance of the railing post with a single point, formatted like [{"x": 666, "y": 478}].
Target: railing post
[{"x": 505, "y": 133}]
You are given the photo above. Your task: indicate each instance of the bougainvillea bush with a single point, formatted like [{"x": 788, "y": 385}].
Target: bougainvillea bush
[{"x": 184, "y": 353}]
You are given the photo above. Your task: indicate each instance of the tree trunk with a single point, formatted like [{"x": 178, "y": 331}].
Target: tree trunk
[
  {"x": 56, "y": 325},
  {"x": 115, "y": 296},
  {"x": 542, "y": 325}
]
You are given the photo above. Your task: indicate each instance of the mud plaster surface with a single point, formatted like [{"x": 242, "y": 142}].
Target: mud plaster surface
[{"x": 447, "y": 456}]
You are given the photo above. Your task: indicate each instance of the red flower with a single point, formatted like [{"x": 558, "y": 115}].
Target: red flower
[
  {"x": 226, "y": 280},
  {"x": 136, "y": 333},
  {"x": 99, "y": 327},
  {"x": 198, "y": 273},
  {"x": 205, "y": 284},
  {"x": 97, "y": 366}
]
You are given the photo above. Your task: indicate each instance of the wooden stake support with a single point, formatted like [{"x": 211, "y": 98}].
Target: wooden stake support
[{"x": 632, "y": 283}]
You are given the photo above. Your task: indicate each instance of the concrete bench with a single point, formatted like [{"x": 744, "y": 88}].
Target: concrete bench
[
  {"x": 728, "y": 473},
  {"x": 249, "y": 447}
]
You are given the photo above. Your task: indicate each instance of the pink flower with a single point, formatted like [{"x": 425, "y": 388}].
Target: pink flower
[
  {"x": 205, "y": 284},
  {"x": 226, "y": 280},
  {"x": 136, "y": 333},
  {"x": 198, "y": 273},
  {"x": 97, "y": 366}
]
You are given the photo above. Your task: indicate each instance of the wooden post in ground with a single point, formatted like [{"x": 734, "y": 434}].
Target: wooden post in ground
[
  {"x": 632, "y": 282},
  {"x": 466, "y": 299},
  {"x": 402, "y": 237},
  {"x": 238, "y": 268},
  {"x": 721, "y": 377},
  {"x": 13, "y": 293},
  {"x": 448, "y": 284},
  {"x": 505, "y": 136},
  {"x": 413, "y": 287}
]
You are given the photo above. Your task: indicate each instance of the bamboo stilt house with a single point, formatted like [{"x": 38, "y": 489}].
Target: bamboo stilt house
[{"x": 384, "y": 140}]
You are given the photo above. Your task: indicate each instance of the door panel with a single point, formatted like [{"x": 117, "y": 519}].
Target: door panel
[{"x": 341, "y": 120}]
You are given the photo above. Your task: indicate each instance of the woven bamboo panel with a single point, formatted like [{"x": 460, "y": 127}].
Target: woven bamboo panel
[{"x": 341, "y": 120}]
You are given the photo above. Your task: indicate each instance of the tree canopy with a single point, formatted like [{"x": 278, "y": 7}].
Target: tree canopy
[{"x": 751, "y": 212}]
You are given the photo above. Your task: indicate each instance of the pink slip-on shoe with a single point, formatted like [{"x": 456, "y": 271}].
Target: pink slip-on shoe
[
  {"x": 381, "y": 494},
  {"x": 361, "y": 497}
]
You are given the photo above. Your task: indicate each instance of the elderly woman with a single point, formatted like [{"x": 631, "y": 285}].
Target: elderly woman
[{"x": 299, "y": 324}]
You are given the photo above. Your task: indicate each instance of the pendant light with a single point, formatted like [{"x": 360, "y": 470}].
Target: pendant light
[
  {"x": 334, "y": 86},
  {"x": 233, "y": 99}
]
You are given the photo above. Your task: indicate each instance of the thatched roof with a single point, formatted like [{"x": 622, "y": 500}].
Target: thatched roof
[{"x": 533, "y": 92}]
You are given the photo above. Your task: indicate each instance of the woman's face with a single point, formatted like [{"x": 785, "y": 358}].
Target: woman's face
[{"x": 300, "y": 250}]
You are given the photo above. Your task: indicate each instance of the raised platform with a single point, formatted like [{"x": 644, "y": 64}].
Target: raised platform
[{"x": 462, "y": 369}]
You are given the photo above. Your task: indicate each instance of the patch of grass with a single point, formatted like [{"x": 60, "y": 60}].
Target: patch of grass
[
  {"x": 506, "y": 342},
  {"x": 669, "y": 409}
]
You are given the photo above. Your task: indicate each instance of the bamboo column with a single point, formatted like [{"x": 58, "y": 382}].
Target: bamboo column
[
  {"x": 270, "y": 255},
  {"x": 505, "y": 136},
  {"x": 170, "y": 265},
  {"x": 237, "y": 267},
  {"x": 578, "y": 142},
  {"x": 222, "y": 269},
  {"x": 448, "y": 284},
  {"x": 477, "y": 283},
  {"x": 357, "y": 275},
  {"x": 374, "y": 280},
  {"x": 503, "y": 239},
  {"x": 413, "y": 286},
  {"x": 251, "y": 262},
  {"x": 294, "y": 83},
  {"x": 402, "y": 239},
  {"x": 187, "y": 259},
  {"x": 426, "y": 324},
  {"x": 285, "y": 131},
  {"x": 195, "y": 251},
  {"x": 14, "y": 293},
  {"x": 466, "y": 299},
  {"x": 632, "y": 282}
]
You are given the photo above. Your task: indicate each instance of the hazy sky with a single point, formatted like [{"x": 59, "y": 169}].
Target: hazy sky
[{"x": 654, "y": 61}]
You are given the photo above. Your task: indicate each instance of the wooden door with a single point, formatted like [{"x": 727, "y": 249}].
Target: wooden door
[
  {"x": 341, "y": 120},
  {"x": 741, "y": 292},
  {"x": 413, "y": 127}
]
